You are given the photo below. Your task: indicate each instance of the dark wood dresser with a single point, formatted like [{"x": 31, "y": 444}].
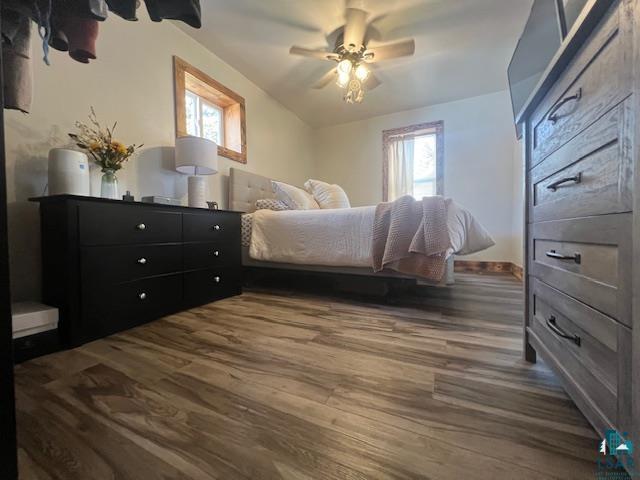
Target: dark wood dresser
[
  {"x": 583, "y": 242},
  {"x": 110, "y": 265}
]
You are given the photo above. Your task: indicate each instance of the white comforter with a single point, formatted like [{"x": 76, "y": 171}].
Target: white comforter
[{"x": 342, "y": 237}]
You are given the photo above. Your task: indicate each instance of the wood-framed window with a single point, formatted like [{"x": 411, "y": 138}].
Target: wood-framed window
[
  {"x": 413, "y": 161},
  {"x": 206, "y": 108}
]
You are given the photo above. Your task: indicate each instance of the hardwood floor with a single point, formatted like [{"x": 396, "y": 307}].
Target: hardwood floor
[{"x": 275, "y": 385}]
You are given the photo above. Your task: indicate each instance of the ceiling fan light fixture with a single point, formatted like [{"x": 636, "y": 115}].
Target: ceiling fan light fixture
[
  {"x": 345, "y": 66},
  {"x": 362, "y": 72},
  {"x": 352, "y": 55},
  {"x": 343, "y": 79}
]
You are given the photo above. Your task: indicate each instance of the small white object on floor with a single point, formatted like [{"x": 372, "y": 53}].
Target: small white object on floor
[{"x": 30, "y": 318}]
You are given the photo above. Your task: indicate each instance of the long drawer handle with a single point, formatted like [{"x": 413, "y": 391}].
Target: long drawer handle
[
  {"x": 551, "y": 323},
  {"x": 553, "y": 116},
  {"x": 576, "y": 179},
  {"x": 576, "y": 257}
]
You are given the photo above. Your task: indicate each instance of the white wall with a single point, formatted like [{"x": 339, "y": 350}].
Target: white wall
[
  {"x": 479, "y": 161},
  {"x": 132, "y": 82}
]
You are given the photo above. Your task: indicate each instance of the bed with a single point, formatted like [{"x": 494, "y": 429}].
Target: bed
[{"x": 245, "y": 188}]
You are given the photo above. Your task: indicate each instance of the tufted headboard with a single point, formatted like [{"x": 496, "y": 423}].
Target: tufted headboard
[{"x": 245, "y": 188}]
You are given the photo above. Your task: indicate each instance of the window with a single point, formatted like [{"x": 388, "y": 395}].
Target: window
[
  {"x": 204, "y": 119},
  {"x": 206, "y": 108},
  {"x": 413, "y": 161},
  {"x": 424, "y": 166}
]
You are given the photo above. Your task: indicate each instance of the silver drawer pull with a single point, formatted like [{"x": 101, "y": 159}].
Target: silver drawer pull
[
  {"x": 552, "y": 324},
  {"x": 216, "y": 279},
  {"x": 553, "y": 116},
  {"x": 216, "y": 253},
  {"x": 216, "y": 227},
  {"x": 142, "y": 261},
  {"x": 576, "y": 257},
  {"x": 142, "y": 296},
  {"x": 575, "y": 179},
  {"x": 141, "y": 226}
]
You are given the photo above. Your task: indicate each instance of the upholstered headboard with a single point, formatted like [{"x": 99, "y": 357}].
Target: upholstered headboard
[{"x": 245, "y": 188}]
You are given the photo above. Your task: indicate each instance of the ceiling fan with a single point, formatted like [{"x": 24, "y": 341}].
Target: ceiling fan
[{"x": 353, "y": 56}]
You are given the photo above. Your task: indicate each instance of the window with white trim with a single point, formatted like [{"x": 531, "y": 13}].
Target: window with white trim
[
  {"x": 413, "y": 161},
  {"x": 203, "y": 118}
]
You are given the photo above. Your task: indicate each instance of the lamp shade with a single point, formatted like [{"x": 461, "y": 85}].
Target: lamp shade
[{"x": 196, "y": 156}]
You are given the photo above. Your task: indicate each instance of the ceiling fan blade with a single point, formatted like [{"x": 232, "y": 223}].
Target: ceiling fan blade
[
  {"x": 372, "y": 82},
  {"x": 319, "y": 54},
  {"x": 355, "y": 29},
  {"x": 392, "y": 50},
  {"x": 326, "y": 79}
]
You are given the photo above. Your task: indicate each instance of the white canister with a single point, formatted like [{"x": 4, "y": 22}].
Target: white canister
[{"x": 68, "y": 172}]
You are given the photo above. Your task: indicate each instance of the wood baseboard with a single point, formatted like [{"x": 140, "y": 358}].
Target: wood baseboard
[
  {"x": 517, "y": 271},
  {"x": 470, "y": 266}
]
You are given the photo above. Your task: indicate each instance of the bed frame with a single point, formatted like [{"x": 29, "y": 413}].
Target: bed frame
[{"x": 246, "y": 187}]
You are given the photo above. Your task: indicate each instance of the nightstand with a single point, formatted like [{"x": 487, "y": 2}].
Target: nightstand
[{"x": 110, "y": 265}]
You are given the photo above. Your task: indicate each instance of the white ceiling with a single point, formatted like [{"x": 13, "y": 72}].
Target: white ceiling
[{"x": 462, "y": 50}]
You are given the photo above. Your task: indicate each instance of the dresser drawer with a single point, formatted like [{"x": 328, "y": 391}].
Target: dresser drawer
[
  {"x": 205, "y": 286},
  {"x": 590, "y": 175},
  {"x": 112, "y": 224},
  {"x": 211, "y": 227},
  {"x": 108, "y": 265},
  {"x": 598, "y": 78},
  {"x": 123, "y": 306},
  {"x": 588, "y": 347},
  {"x": 592, "y": 363},
  {"x": 208, "y": 255},
  {"x": 588, "y": 259}
]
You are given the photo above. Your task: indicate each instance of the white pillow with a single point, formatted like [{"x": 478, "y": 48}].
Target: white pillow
[
  {"x": 295, "y": 198},
  {"x": 327, "y": 195},
  {"x": 465, "y": 232}
]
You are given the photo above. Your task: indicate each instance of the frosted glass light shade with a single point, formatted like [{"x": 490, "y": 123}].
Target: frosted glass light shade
[{"x": 196, "y": 156}]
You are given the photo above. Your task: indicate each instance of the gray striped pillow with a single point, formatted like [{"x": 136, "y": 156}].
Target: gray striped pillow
[{"x": 271, "y": 204}]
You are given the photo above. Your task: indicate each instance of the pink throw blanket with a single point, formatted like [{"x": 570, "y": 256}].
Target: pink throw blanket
[{"x": 411, "y": 236}]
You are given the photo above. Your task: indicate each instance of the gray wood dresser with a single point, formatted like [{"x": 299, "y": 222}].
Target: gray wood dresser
[{"x": 582, "y": 233}]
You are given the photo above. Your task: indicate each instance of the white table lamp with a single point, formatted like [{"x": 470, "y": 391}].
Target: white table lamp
[{"x": 196, "y": 156}]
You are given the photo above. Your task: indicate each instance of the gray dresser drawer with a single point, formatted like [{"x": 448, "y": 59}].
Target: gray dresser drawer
[
  {"x": 588, "y": 347},
  {"x": 588, "y": 259},
  {"x": 598, "y": 78},
  {"x": 590, "y": 175}
]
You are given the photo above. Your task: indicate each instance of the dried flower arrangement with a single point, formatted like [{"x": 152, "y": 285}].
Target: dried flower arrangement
[{"x": 99, "y": 143}]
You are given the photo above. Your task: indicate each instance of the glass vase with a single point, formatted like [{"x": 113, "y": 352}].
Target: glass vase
[{"x": 109, "y": 185}]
